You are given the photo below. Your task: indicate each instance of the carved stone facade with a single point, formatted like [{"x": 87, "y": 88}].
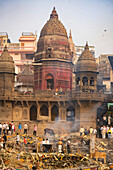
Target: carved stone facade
[
  {"x": 63, "y": 111},
  {"x": 86, "y": 72},
  {"x": 7, "y": 73},
  {"x": 53, "y": 57}
]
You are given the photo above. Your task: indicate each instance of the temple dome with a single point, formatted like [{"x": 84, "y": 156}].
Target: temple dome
[
  {"x": 53, "y": 26},
  {"x": 6, "y": 62},
  {"x": 86, "y": 61}
]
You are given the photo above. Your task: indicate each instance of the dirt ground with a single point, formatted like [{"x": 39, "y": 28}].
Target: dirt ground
[{"x": 32, "y": 156}]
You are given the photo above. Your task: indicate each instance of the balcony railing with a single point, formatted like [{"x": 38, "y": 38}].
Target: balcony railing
[
  {"x": 58, "y": 96},
  {"x": 18, "y": 48}
]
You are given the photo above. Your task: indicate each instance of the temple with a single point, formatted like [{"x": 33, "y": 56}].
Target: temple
[{"x": 54, "y": 103}]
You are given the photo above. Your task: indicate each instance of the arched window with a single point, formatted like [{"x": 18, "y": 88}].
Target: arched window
[
  {"x": 78, "y": 81},
  {"x": 54, "y": 113},
  {"x": 50, "y": 81},
  {"x": 70, "y": 114},
  {"x": 92, "y": 81},
  {"x": 44, "y": 110},
  {"x": 85, "y": 81},
  {"x": 33, "y": 113}
]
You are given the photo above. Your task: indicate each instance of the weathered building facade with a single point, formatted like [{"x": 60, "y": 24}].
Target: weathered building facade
[
  {"x": 62, "y": 110},
  {"x": 54, "y": 55}
]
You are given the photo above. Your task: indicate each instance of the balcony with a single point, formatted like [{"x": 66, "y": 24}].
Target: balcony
[
  {"x": 51, "y": 95},
  {"x": 18, "y": 49},
  {"x": 92, "y": 96}
]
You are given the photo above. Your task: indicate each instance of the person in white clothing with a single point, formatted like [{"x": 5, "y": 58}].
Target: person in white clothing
[
  {"x": 7, "y": 128},
  {"x": 25, "y": 128},
  {"x": 17, "y": 139},
  {"x": 12, "y": 128},
  {"x": 103, "y": 132}
]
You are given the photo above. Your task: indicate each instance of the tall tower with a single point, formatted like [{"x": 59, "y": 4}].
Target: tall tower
[
  {"x": 7, "y": 73},
  {"x": 74, "y": 58},
  {"x": 88, "y": 98},
  {"x": 53, "y": 59},
  {"x": 72, "y": 48},
  {"x": 86, "y": 72}
]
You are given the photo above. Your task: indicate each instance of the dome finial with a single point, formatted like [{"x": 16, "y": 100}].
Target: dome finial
[
  {"x": 87, "y": 47},
  {"x": 70, "y": 36},
  {"x": 54, "y": 14},
  {"x": 5, "y": 48}
]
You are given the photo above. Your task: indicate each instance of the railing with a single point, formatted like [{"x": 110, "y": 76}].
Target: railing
[
  {"x": 18, "y": 48},
  {"x": 23, "y": 62},
  {"x": 53, "y": 95},
  {"x": 98, "y": 96},
  {"x": 108, "y": 96}
]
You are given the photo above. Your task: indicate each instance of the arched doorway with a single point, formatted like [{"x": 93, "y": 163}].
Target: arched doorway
[
  {"x": 70, "y": 114},
  {"x": 50, "y": 81},
  {"x": 54, "y": 113},
  {"x": 33, "y": 113},
  {"x": 44, "y": 110}
]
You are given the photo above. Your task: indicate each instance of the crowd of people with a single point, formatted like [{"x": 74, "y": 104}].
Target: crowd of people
[
  {"x": 104, "y": 129},
  {"x": 99, "y": 132},
  {"x": 9, "y": 128}
]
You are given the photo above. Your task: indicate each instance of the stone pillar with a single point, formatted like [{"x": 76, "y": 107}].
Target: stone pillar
[
  {"x": 60, "y": 113},
  {"x": 38, "y": 112},
  {"x": 95, "y": 84},
  {"x": 49, "y": 112},
  {"x": 63, "y": 113},
  {"x": 77, "y": 117},
  {"x": 81, "y": 84},
  {"x": 88, "y": 83},
  {"x": 88, "y": 114}
]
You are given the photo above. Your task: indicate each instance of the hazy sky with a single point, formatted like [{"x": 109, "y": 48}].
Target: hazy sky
[{"x": 89, "y": 20}]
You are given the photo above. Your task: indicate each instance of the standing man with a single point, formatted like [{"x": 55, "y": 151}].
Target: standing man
[
  {"x": 25, "y": 128},
  {"x": 12, "y": 128},
  {"x": 60, "y": 146},
  {"x": 20, "y": 127},
  {"x": 81, "y": 131},
  {"x": 0, "y": 128},
  {"x": 4, "y": 140},
  {"x": 4, "y": 128},
  {"x": 35, "y": 130},
  {"x": 68, "y": 146},
  {"x": 7, "y": 128},
  {"x": 17, "y": 139}
]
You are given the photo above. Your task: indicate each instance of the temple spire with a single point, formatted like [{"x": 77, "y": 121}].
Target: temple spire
[
  {"x": 70, "y": 36},
  {"x": 5, "y": 48},
  {"x": 54, "y": 14},
  {"x": 86, "y": 46}
]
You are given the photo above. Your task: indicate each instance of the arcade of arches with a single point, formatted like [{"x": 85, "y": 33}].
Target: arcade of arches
[
  {"x": 52, "y": 113},
  {"x": 85, "y": 81}
]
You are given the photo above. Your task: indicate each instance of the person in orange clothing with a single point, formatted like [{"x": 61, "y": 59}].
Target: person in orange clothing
[
  {"x": 60, "y": 146},
  {"x": 25, "y": 141}
]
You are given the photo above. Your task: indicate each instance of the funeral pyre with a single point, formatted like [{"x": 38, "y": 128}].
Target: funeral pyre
[{"x": 30, "y": 155}]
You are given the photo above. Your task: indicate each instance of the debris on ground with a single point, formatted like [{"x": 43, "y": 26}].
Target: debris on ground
[{"x": 30, "y": 155}]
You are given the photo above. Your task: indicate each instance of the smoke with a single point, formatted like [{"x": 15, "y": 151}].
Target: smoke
[{"x": 62, "y": 128}]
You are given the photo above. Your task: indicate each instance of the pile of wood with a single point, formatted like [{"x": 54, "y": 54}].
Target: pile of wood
[{"x": 28, "y": 156}]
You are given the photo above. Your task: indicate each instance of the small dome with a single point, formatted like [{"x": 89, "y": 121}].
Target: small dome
[
  {"x": 53, "y": 26},
  {"x": 6, "y": 62},
  {"x": 86, "y": 61}
]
